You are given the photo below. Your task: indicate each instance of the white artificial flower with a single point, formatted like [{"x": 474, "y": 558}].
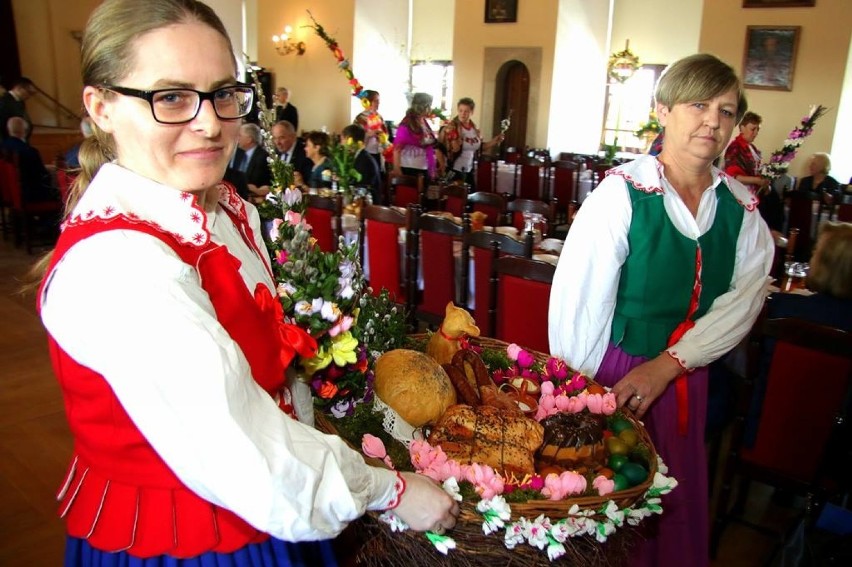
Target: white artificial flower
[
  {"x": 555, "y": 550},
  {"x": 451, "y": 487}
]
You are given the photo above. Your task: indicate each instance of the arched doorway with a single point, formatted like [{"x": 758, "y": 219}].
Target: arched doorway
[{"x": 512, "y": 93}]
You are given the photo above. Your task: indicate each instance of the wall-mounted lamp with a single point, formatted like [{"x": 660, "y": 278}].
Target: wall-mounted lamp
[{"x": 284, "y": 45}]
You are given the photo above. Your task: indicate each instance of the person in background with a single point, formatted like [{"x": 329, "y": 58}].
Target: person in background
[
  {"x": 414, "y": 144},
  {"x": 663, "y": 271},
  {"x": 160, "y": 307},
  {"x": 36, "y": 184},
  {"x": 742, "y": 162},
  {"x": 462, "y": 139},
  {"x": 252, "y": 160},
  {"x": 364, "y": 163},
  {"x": 374, "y": 127},
  {"x": 316, "y": 152},
  {"x": 819, "y": 181},
  {"x": 13, "y": 103},
  {"x": 284, "y": 110},
  {"x": 291, "y": 148},
  {"x": 72, "y": 160}
]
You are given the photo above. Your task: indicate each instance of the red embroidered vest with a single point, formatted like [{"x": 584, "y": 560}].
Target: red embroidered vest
[{"x": 119, "y": 494}]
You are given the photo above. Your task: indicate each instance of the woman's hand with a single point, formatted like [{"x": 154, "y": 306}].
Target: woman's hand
[
  {"x": 425, "y": 506},
  {"x": 644, "y": 384}
]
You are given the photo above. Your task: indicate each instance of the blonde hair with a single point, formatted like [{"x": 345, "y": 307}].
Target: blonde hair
[
  {"x": 831, "y": 263},
  {"x": 699, "y": 77},
  {"x": 824, "y": 160},
  {"x": 108, "y": 55}
]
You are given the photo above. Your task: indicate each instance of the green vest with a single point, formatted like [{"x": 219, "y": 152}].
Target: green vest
[{"x": 657, "y": 278}]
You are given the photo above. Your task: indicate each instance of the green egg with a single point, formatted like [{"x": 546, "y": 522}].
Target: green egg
[
  {"x": 634, "y": 473},
  {"x": 620, "y": 482},
  {"x": 619, "y": 424},
  {"x": 617, "y": 461}
]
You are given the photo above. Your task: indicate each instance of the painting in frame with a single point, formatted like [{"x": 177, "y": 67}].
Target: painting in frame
[
  {"x": 770, "y": 57},
  {"x": 501, "y": 11},
  {"x": 778, "y": 3}
]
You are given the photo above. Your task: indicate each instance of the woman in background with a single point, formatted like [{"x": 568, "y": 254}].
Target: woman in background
[
  {"x": 462, "y": 140},
  {"x": 374, "y": 127},
  {"x": 819, "y": 181},
  {"x": 316, "y": 150},
  {"x": 664, "y": 271},
  {"x": 166, "y": 336},
  {"x": 414, "y": 144}
]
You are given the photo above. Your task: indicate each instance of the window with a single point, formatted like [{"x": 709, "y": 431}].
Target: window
[
  {"x": 435, "y": 78},
  {"x": 627, "y": 107}
]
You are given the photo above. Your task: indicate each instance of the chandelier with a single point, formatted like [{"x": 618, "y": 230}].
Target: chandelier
[{"x": 285, "y": 45}]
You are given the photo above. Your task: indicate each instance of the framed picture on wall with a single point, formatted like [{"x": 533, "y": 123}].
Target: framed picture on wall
[
  {"x": 770, "y": 57},
  {"x": 778, "y": 3},
  {"x": 501, "y": 11}
]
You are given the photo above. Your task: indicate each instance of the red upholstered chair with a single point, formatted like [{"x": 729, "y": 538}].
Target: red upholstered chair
[
  {"x": 64, "y": 179},
  {"x": 522, "y": 295},
  {"x": 532, "y": 171},
  {"x": 483, "y": 248},
  {"x": 405, "y": 190},
  {"x": 25, "y": 213},
  {"x": 433, "y": 241},
  {"x": 486, "y": 173},
  {"x": 492, "y": 204},
  {"x": 453, "y": 199},
  {"x": 599, "y": 172},
  {"x": 518, "y": 207},
  {"x": 384, "y": 264},
  {"x": 323, "y": 214},
  {"x": 565, "y": 186},
  {"x": 802, "y": 437}
]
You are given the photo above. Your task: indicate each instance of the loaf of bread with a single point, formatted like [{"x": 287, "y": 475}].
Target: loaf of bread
[
  {"x": 504, "y": 440},
  {"x": 414, "y": 385}
]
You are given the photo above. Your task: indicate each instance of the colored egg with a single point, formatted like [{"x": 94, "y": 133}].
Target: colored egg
[
  {"x": 617, "y": 461},
  {"x": 634, "y": 473},
  {"x": 616, "y": 446},
  {"x": 619, "y": 424},
  {"x": 620, "y": 482},
  {"x": 629, "y": 436}
]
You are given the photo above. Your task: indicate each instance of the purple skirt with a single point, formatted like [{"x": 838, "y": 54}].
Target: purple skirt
[
  {"x": 271, "y": 553},
  {"x": 681, "y": 535}
]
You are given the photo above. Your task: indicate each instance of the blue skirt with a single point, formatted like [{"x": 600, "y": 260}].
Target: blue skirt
[{"x": 271, "y": 553}]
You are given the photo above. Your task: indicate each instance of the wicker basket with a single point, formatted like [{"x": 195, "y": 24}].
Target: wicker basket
[{"x": 381, "y": 547}]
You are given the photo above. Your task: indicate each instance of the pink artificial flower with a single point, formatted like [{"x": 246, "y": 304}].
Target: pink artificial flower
[
  {"x": 610, "y": 404},
  {"x": 556, "y": 368},
  {"x": 274, "y": 229},
  {"x": 547, "y": 388},
  {"x": 512, "y": 351},
  {"x": 294, "y": 219},
  {"x": 343, "y": 324},
  {"x": 525, "y": 359},
  {"x": 486, "y": 482},
  {"x": 499, "y": 376},
  {"x": 281, "y": 257},
  {"x": 372, "y": 446},
  {"x": 603, "y": 485},
  {"x": 536, "y": 482},
  {"x": 563, "y": 403},
  {"x": 573, "y": 483},
  {"x": 441, "y": 471},
  {"x": 552, "y": 487},
  {"x": 424, "y": 455},
  {"x": 578, "y": 381},
  {"x": 595, "y": 403},
  {"x": 576, "y": 404}
]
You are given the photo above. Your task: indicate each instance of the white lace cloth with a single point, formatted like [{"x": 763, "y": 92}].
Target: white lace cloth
[{"x": 395, "y": 426}]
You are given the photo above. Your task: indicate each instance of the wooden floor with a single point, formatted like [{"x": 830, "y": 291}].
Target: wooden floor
[{"x": 35, "y": 444}]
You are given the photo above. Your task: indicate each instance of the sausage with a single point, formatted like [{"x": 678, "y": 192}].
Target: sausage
[
  {"x": 473, "y": 367},
  {"x": 466, "y": 393}
]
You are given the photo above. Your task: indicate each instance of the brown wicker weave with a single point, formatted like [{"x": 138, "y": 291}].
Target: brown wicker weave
[{"x": 379, "y": 546}]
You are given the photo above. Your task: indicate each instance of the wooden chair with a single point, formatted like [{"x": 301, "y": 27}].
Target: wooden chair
[
  {"x": 512, "y": 155},
  {"x": 64, "y": 180},
  {"x": 802, "y": 435},
  {"x": 382, "y": 255},
  {"x": 435, "y": 239},
  {"x": 565, "y": 187},
  {"x": 405, "y": 190},
  {"x": 521, "y": 297},
  {"x": 516, "y": 209},
  {"x": 599, "y": 172},
  {"x": 492, "y": 204},
  {"x": 800, "y": 215},
  {"x": 324, "y": 214},
  {"x": 482, "y": 249},
  {"x": 486, "y": 173},
  {"x": 843, "y": 212},
  {"x": 26, "y": 213},
  {"x": 453, "y": 199},
  {"x": 531, "y": 184}
]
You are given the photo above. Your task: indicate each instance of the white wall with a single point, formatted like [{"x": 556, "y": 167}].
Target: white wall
[{"x": 432, "y": 30}]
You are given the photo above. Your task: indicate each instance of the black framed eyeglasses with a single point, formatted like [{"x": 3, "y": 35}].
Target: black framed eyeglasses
[{"x": 179, "y": 106}]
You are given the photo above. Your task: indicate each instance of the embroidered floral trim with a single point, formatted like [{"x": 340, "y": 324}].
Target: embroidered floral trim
[
  {"x": 679, "y": 360},
  {"x": 754, "y": 199},
  {"x": 623, "y": 172},
  {"x": 399, "y": 486}
]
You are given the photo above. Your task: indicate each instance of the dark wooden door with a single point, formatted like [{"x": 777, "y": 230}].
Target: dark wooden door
[{"x": 512, "y": 96}]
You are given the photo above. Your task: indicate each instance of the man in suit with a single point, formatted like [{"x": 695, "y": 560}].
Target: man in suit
[
  {"x": 364, "y": 163},
  {"x": 12, "y": 104},
  {"x": 35, "y": 179},
  {"x": 253, "y": 160},
  {"x": 284, "y": 110},
  {"x": 291, "y": 149}
]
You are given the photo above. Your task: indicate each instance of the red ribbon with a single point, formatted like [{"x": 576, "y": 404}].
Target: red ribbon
[
  {"x": 462, "y": 340},
  {"x": 294, "y": 340},
  {"x": 681, "y": 387}
]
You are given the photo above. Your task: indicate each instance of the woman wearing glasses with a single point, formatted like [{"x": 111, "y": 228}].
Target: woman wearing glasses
[{"x": 165, "y": 333}]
